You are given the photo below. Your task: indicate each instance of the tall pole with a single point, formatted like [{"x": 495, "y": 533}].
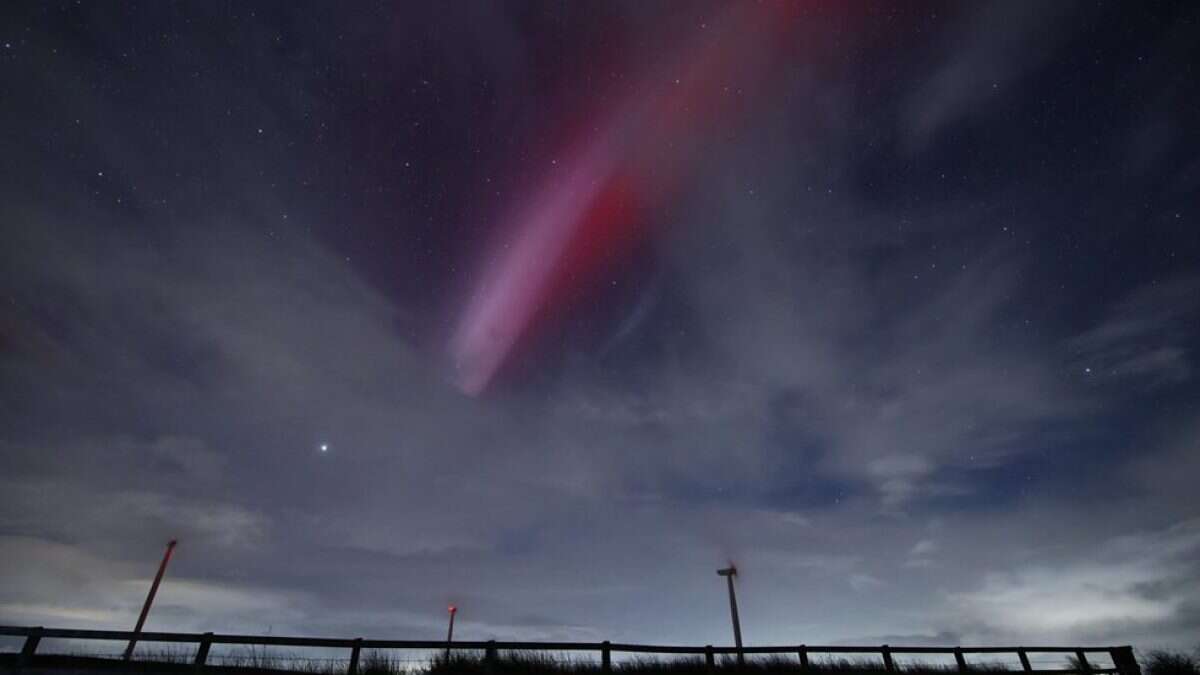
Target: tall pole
[
  {"x": 162, "y": 567},
  {"x": 729, "y": 573},
  {"x": 450, "y": 633}
]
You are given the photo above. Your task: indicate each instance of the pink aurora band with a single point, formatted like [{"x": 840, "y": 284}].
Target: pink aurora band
[{"x": 589, "y": 205}]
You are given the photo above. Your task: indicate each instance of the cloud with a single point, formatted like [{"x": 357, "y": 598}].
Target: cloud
[
  {"x": 923, "y": 548},
  {"x": 1136, "y": 583},
  {"x": 861, "y": 583},
  {"x": 94, "y": 592},
  {"x": 1143, "y": 339},
  {"x": 922, "y": 554},
  {"x": 908, "y": 639},
  {"x": 874, "y": 376},
  {"x": 1166, "y": 468},
  {"x": 983, "y": 58},
  {"x": 97, "y": 490}
]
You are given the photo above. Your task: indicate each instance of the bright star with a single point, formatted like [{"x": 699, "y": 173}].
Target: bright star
[{"x": 324, "y": 447}]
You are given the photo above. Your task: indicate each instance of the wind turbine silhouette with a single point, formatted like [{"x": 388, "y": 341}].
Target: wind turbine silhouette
[{"x": 729, "y": 573}]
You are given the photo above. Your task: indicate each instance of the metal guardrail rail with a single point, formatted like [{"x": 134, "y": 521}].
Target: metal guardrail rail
[{"x": 1124, "y": 662}]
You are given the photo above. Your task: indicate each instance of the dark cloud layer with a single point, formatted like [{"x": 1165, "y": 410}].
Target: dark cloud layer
[{"x": 916, "y": 349}]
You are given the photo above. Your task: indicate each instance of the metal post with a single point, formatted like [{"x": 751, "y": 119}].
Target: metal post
[
  {"x": 202, "y": 651},
  {"x": 605, "y": 657},
  {"x": 710, "y": 660},
  {"x": 1124, "y": 661},
  {"x": 960, "y": 659},
  {"x": 162, "y": 567},
  {"x": 1024, "y": 656},
  {"x": 803, "y": 654},
  {"x": 354, "y": 653},
  {"x": 489, "y": 657},
  {"x": 1084, "y": 666},
  {"x": 888, "y": 665},
  {"x": 729, "y": 573},
  {"x": 450, "y": 633},
  {"x": 31, "y": 645}
]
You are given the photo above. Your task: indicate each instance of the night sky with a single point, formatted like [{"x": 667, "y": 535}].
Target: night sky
[{"x": 550, "y": 309}]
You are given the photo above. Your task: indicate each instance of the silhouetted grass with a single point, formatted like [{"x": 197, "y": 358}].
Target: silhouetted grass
[{"x": 1170, "y": 663}]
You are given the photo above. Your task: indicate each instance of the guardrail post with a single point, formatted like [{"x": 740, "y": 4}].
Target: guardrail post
[
  {"x": 1124, "y": 661},
  {"x": 605, "y": 657},
  {"x": 202, "y": 650},
  {"x": 354, "y": 652},
  {"x": 1024, "y": 656},
  {"x": 803, "y": 654},
  {"x": 31, "y": 644},
  {"x": 490, "y": 656},
  {"x": 710, "y": 659},
  {"x": 960, "y": 660},
  {"x": 1084, "y": 666},
  {"x": 887, "y": 659}
]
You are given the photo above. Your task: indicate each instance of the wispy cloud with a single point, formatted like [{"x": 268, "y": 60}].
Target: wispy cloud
[
  {"x": 982, "y": 64},
  {"x": 1144, "y": 339},
  {"x": 1132, "y": 583}
]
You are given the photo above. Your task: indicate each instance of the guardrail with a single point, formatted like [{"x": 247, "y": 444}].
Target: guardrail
[{"x": 1122, "y": 657}]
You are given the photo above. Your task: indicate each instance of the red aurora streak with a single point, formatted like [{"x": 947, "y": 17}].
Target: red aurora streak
[{"x": 592, "y": 207}]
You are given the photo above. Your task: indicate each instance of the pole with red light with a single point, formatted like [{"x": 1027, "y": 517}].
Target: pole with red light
[
  {"x": 162, "y": 567},
  {"x": 450, "y": 633}
]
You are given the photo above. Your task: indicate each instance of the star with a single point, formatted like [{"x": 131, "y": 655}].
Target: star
[{"x": 324, "y": 447}]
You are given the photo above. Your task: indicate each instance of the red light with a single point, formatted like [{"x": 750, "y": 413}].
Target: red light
[{"x": 453, "y": 609}]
